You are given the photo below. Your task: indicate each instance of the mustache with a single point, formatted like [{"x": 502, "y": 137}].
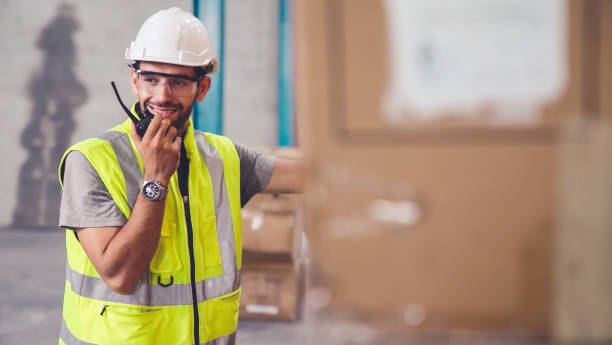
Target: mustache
[{"x": 165, "y": 105}]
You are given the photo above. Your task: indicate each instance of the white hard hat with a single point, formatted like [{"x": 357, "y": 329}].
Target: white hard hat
[{"x": 173, "y": 36}]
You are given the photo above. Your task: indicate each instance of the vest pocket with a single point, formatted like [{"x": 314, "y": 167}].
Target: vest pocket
[
  {"x": 166, "y": 259},
  {"x": 207, "y": 233},
  {"x": 131, "y": 325},
  {"x": 222, "y": 314}
]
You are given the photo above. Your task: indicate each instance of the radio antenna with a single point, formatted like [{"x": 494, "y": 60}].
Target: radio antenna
[{"x": 127, "y": 111}]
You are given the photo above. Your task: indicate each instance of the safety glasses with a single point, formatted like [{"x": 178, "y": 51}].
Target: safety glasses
[{"x": 178, "y": 84}]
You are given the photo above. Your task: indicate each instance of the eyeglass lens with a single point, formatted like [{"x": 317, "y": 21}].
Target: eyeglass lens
[{"x": 178, "y": 86}]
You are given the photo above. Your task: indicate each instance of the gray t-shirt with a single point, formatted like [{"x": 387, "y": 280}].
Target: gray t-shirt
[{"x": 93, "y": 206}]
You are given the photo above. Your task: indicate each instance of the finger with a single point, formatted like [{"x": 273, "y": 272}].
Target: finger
[
  {"x": 171, "y": 133},
  {"x": 176, "y": 144},
  {"x": 163, "y": 128},
  {"x": 153, "y": 127}
]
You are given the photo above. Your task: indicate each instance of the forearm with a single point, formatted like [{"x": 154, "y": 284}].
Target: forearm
[
  {"x": 288, "y": 177},
  {"x": 122, "y": 254},
  {"x": 129, "y": 251}
]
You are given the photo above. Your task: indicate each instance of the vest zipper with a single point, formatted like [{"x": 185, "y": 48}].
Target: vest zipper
[
  {"x": 183, "y": 182},
  {"x": 194, "y": 295}
]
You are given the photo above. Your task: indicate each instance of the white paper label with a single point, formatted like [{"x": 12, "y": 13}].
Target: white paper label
[
  {"x": 262, "y": 309},
  {"x": 461, "y": 56}
]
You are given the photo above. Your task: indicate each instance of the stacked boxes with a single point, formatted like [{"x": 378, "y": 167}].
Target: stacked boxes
[
  {"x": 273, "y": 268},
  {"x": 272, "y": 290}
]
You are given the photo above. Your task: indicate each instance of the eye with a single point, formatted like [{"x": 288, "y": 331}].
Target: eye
[
  {"x": 150, "y": 80},
  {"x": 179, "y": 83}
]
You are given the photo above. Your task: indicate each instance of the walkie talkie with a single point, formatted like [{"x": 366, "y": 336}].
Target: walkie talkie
[{"x": 141, "y": 125}]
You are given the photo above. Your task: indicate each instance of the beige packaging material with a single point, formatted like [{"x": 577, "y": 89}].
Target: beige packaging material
[
  {"x": 583, "y": 293},
  {"x": 426, "y": 226},
  {"x": 272, "y": 291},
  {"x": 276, "y": 203},
  {"x": 272, "y": 228},
  {"x": 270, "y": 236}
]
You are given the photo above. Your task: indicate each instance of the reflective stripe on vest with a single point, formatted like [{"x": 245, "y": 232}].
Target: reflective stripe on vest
[
  {"x": 214, "y": 184},
  {"x": 153, "y": 295}
]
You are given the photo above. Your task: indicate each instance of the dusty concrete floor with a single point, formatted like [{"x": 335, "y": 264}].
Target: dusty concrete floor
[{"x": 31, "y": 287}]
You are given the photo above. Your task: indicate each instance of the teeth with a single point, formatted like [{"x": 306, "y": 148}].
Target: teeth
[{"x": 162, "y": 112}]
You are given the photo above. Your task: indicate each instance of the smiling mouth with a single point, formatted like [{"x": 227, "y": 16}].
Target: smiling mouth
[{"x": 165, "y": 112}]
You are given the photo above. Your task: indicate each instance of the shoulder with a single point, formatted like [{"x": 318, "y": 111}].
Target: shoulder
[
  {"x": 213, "y": 144},
  {"x": 76, "y": 160},
  {"x": 114, "y": 137},
  {"x": 108, "y": 144},
  {"x": 215, "y": 140},
  {"x": 100, "y": 149},
  {"x": 248, "y": 154},
  {"x": 76, "y": 165}
]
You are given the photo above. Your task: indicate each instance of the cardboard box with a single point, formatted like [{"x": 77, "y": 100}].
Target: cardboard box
[
  {"x": 270, "y": 237},
  {"x": 272, "y": 227},
  {"x": 428, "y": 226},
  {"x": 276, "y": 203},
  {"x": 272, "y": 291}
]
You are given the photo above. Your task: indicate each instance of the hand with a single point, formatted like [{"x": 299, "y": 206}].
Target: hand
[{"x": 159, "y": 149}]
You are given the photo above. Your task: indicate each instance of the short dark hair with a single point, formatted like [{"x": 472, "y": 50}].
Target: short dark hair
[{"x": 200, "y": 72}]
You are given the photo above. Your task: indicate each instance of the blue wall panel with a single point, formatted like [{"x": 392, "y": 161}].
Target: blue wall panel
[
  {"x": 208, "y": 114},
  {"x": 286, "y": 135}
]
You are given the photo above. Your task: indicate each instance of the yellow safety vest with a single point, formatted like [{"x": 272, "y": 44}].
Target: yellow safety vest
[{"x": 161, "y": 308}]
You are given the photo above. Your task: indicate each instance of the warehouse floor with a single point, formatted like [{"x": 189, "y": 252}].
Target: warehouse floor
[
  {"x": 32, "y": 263},
  {"x": 32, "y": 284}
]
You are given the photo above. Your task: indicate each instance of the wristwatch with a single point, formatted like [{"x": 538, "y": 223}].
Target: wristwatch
[{"x": 153, "y": 190}]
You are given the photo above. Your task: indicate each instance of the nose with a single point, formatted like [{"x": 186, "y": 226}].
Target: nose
[{"x": 163, "y": 93}]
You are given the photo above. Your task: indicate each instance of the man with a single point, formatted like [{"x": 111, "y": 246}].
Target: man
[{"x": 153, "y": 236}]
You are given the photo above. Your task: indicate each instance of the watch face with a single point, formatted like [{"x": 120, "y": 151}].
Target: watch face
[{"x": 151, "y": 191}]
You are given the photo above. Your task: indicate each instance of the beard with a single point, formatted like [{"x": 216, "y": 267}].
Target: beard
[{"x": 181, "y": 121}]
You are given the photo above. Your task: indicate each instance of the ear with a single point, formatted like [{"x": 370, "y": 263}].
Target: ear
[
  {"x": 133, "y": 80},
  {"x": 203, "y": 87}
]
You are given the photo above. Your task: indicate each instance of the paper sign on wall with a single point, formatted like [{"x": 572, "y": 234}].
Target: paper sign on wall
[{"x": 460, "y": 55}]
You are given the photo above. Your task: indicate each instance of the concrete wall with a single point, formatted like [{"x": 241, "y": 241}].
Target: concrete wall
[
  {"x": 58, "y": 59},
  {"x": 57, "y": 63},
  {"x": 251, "y": 71}
]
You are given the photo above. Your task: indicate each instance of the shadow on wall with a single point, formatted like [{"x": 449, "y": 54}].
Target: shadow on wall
[{"x": 55, "y": 93}]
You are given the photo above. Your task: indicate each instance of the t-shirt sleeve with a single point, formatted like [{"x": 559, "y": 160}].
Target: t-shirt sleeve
[
  {"x": 85, "y": 200},
  {"x": 256, "y": 169}
]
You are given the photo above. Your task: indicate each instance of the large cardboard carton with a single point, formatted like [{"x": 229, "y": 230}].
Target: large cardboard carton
[
  {"x": 270, "y": 236},
  {"x": 432, "y": 225},
  {"x": 272, "y": 291},
  {"x": 272, "y": 227}
]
